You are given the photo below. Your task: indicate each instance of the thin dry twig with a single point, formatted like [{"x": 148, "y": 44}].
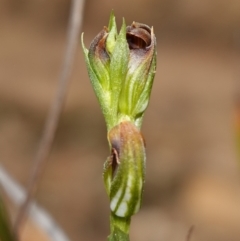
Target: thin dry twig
[
  {"x": 40, "y": 160},
  {"x": 190, "y": 232}
]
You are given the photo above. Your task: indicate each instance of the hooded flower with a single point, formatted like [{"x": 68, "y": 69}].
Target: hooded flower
[{"x": 122, "y": 68}]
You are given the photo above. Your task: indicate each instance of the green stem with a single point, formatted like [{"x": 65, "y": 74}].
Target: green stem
[{"x": 119, "y": 228}]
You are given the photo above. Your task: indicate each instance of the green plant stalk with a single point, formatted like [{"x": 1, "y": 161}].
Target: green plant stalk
[
  {"x": 119, "y": 228},
  {"x": 121, "y": 68}
]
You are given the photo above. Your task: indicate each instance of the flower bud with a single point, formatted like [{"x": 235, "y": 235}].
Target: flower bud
[
  {"x": 125, "y": 169},
  {"x": 122, "y": 68}
]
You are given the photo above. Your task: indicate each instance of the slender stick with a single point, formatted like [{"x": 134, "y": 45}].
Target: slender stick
[{"x": 40, "y": 160}]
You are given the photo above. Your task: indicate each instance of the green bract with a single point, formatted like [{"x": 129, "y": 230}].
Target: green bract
[
  {"x": 124, "y": 171},
  {"x": 122, "y": 68}
]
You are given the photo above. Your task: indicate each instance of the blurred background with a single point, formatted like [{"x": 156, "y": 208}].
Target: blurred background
[{"x": 192, "y": 163}]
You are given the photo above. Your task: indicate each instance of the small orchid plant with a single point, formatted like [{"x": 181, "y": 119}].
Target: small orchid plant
[{"x": 121, "y": 68}]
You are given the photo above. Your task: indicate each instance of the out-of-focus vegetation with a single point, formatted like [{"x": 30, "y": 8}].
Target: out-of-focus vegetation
[{"x": 6, "y": 232}]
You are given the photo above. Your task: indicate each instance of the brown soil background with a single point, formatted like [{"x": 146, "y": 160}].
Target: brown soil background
[{"x": 192, "y": 167}]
